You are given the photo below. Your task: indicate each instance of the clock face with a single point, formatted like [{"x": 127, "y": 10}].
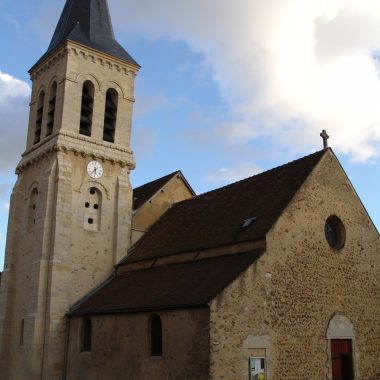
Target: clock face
[{"x": 95, "y": 169}]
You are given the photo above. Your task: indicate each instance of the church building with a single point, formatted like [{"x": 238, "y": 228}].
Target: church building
[{"x": 274, "y": 277}]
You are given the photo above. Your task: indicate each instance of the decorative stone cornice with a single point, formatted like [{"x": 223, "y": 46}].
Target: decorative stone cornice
[
  {"x": 50, "y": 61},
  {"x": 101, "y": 58},
  {"x": 68, "y": 142},
  {"x": 87, "y": 53}
]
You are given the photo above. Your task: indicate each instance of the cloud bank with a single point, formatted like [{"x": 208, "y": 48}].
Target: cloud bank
[
  {"x": 14, "y": 97},
  {"x": 287, "y": 69}
]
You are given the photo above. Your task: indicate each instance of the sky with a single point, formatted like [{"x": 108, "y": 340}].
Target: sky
[{"x": 226, "y": 89}]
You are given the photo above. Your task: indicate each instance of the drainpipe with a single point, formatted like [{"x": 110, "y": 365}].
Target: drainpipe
[{"x": 67, "y": 341}]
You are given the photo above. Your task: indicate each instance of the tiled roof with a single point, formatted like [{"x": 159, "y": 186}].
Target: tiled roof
[
  {"x": 88, "y": 22},
  {"x": 190, "y": 284},
  {"x": 143, "y": 193},
  {"x": 216, "y": 218},
  {"x": 209, "y": 220}
]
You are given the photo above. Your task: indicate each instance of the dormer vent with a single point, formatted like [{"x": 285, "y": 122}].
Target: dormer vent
[{"x": 248, "y": 222}]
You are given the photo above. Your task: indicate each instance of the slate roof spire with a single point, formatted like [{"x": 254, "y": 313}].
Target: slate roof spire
[{"x": 89, "y": 23}]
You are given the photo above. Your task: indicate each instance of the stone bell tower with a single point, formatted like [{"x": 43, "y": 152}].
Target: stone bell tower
[{"x": 70, "y": 213}]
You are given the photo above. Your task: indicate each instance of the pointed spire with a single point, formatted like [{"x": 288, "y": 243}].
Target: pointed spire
[{"x": 89, "y": 23}]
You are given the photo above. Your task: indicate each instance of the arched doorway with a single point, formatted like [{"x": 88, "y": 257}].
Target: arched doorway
[{"x": 340, "y": 334}]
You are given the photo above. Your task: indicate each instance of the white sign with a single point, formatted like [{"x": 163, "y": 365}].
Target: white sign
[{"x": 257, "y": 368}]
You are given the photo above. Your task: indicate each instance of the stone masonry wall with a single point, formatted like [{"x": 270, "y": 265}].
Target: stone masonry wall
[
  {"x": 282, "y": 305},
  {"x": 26, "y": 258},
  {"x": 120, "y": 347},
  {"x": 174, "y": 191}
]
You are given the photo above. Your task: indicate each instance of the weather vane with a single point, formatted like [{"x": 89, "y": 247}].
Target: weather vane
[{"x": 325, "y": 137}]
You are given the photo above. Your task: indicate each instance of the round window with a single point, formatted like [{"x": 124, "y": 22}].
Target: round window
[{"x": 335, "y": 232}]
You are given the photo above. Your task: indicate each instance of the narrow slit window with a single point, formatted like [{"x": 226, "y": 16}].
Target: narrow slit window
[
  {"x": 51, "y": 111},
  {"x": 110, "y": 116},
  {"x": 155, "y": 336},
  {"x": 87, "y": 108},
  {"x": 39, "y": 117},
  {"x": 87, "y": 335}
]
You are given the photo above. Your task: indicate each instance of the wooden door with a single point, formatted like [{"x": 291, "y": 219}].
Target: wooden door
[{"x": 341, "y": 356}]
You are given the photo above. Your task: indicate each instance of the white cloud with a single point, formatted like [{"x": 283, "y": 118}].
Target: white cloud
[
  {"x": 236, "y": 173},
  {"x": 14, "y": 97},
  {"x": 11, "y": 88},
  {"x": 287, "y": 69}
]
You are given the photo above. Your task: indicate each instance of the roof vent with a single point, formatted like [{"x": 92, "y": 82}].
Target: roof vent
[{"x": 248, "y": 222}]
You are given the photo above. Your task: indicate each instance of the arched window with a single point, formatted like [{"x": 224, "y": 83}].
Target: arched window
[
  {"x": 155, "y": 336},
  {"x": 51, "y": 112},
  {"x": 86, "y": 335},
  {"x": 110, "y": 115},
  {"x": 32, "y": 212},
  {"x": 93, "y": 207},
  {"x": 39, "y": 116},
  {"x": 87, "y": 108}
]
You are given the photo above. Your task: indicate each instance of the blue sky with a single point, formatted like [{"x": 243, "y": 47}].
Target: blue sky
[{"x": 225, "y": 90}]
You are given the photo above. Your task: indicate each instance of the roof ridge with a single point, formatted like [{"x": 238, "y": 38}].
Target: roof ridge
[{"x": 174, "y": 263}]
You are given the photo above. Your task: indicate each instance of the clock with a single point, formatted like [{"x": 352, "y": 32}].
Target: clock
[{"x": 95, "y": 169}]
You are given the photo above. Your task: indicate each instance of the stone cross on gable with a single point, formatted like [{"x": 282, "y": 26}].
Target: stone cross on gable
[{"x": 325, "y": 137}]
